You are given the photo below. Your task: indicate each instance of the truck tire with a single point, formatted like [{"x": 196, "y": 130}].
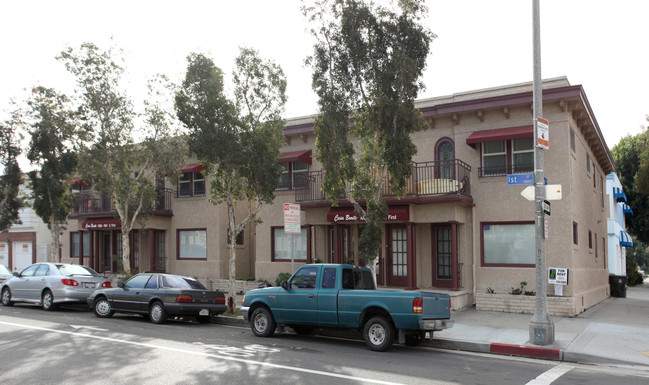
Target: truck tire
[
  {"x": 378, "y": 334},
  {"x": 262, "y": 322}
]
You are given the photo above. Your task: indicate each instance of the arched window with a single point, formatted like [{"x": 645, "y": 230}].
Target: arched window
[{"x": 445, "y": 159}]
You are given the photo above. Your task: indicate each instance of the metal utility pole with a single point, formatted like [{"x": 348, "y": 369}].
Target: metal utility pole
[{"x": 541, "y": 327}]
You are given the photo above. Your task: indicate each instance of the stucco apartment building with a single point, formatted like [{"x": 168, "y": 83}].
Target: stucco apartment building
[{"x": 460, "y": 228}]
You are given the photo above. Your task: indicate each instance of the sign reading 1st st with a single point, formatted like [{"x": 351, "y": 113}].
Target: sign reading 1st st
[{"x": 292, "y": 218}]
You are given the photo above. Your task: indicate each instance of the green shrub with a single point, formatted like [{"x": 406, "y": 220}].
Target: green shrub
[
  {"x": 281, "y": 277},
  {"x": 633, "y": 277}
]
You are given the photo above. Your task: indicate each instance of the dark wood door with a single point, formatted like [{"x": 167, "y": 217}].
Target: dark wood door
[
  {"x": 442, "y": 256},
  {"x": 397, "y": 256}
]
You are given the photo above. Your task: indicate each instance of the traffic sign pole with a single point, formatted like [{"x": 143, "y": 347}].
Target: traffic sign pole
[{"x": 541, "y": 327}]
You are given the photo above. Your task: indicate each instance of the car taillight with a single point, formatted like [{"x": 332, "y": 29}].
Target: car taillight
[
  {"x": 184, "y": 298},
  {"x": 69, "y": 282},
  {"x": 417, "y": 305},
  {"x": 220, "y": 300},
  {"x": 106, "y": 284}
]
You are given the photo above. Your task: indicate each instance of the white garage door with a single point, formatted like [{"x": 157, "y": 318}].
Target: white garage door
[
  {"x": 4, "y": 254},
  {"x": 22, "y": 255}
]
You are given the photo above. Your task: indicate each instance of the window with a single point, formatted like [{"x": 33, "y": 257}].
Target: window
[
  {"x": 42, "y": 271},
  {"x": 191, "y": 184},
  {"x": 329, "y": 278},
  {"x": 588, "y": 163},
  {"x": 138, "y": 282},
  {"x": 357, "y": 280},
  {"x": 136, "y": 251},
  {"x": 192, "y": 244},
  {"x": 29, "y": 272},
  {"x": 85, "y": 244},
  {"x": 596, "y": 249},
  {"x": 281, "y": 245},
  {"x": 294, "y": 175},
  {"x": 239, "y": 240},
  {"x": 445, "y": 159},
  {"x": 590, "y": 240},
  {"x": 305, "y": 278},
  {"x": 119, "y": 247},
  {"x": 575, "y": 233},
  {"x": 601, "y": 189},
  {"x": 75, "y": 245},
  {"x": 494, "y": 158},
  {"x": 172, "y": 281},
  {"x": 510, "y": 156},
  {"x": 522, "y": 155},
  {"x": 572, "y": 140},
  {"x": 604, "y": 251},
  {"x": 508, "y": 244}
]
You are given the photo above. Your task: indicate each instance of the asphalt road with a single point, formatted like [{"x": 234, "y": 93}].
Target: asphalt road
[{"x": 72, "y": 346}]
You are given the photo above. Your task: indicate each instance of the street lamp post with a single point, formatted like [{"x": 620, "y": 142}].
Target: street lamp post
[{"x": 541, "y": 327}]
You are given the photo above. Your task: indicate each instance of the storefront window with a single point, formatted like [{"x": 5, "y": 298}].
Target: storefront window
[
  {"x": 193, "y": 244},
  {"x": 508, "y": 244},
  {"x": 282, "y": 245}
]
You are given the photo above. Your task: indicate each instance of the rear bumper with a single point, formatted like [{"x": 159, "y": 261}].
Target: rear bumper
[
  {"x": 193, "y": 309},
  {"x": 435, "y": 324}
]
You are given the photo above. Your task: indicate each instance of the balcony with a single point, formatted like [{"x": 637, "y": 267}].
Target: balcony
[
  {"x": 91, "y": 203},
  {"x": 429, "y": 181}
]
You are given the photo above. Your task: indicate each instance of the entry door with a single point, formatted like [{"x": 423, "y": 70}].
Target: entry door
[
  {"x": 22, "y": 255},
  {"x": 106, "y": 256},
  {"x": 397, "y": 256},
  {"x": 442, "y": 257}
]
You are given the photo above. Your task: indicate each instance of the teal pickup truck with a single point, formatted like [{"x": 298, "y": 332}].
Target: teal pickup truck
[{"x": 344, "y": 296}]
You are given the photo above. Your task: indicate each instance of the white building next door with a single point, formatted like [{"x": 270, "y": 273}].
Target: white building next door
[
  {"x": 22, "y": 255},
  {"x": 4, "y": 253}
]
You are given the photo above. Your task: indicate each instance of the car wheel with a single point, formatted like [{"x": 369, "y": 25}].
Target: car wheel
[
  {"x": 103, "y": 308},
  {"x": 47, "y": 301},
  {"x": 203, "y": 319},
  {"x": 157, "y": 313},
  {"x": 378, "y": 334},
  {"x": 262, "y": 322},
  {"x": 6, "y": 297}
]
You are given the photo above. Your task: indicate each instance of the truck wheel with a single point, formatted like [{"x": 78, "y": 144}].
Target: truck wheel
[
  {"x": 378, "y": 334},
  {"x": 262, "y": 322},
  {"x": 414, "y": 339}
]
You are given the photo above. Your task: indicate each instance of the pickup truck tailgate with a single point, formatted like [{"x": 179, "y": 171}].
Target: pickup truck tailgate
[{"x": 436, "y": 306}]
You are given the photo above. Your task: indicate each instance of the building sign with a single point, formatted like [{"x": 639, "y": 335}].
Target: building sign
[
  {"x": 292, "y": 218},
  {"x": 101, "y": 224},
  {"x": 347, "y": 214},
  {"x": 558, "y": 275}
]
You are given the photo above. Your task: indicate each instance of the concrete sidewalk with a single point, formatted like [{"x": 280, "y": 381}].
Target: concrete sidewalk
[{"x": 614, "y": 332}]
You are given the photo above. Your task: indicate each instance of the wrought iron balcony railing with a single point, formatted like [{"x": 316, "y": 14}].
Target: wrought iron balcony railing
[
  {"x": 428, "y": 179},
  {"x": 93, "y": 202}
]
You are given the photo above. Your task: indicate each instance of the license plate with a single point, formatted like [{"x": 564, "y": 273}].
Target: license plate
[
  {"x": 204, "y": 312},
  {"x": 90, "y": 285}
]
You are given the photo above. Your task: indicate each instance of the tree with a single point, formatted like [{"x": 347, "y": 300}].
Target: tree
[
  {"x": 638, "y": 255},
  {"x": 115, "y": 164},
  {"x": 367, "y": 65},
  {"x": 237, "y": 140},
  {"x": 11, "y": 179},
  {"x": 51, "y": 147},
  {"x": 632, "y": 167}
]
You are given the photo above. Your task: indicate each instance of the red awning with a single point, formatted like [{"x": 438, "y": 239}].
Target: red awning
[
  {"x": 500, "y": 134},
  {"x": 192, "y": 167},
  {"x": 100, "y": 224},
  {"x": 347, "y": 214},
  {"x": 79, "y": 181},
  {"x": 300, "y": 156}
]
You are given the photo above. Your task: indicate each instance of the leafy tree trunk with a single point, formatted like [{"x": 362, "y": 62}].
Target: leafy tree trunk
[{"x": 55, "y": 227}]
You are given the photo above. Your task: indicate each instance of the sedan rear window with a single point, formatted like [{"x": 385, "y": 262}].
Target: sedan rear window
[
  {"x": 176, "y": 282},
  {"x": 77, "y": 270}
]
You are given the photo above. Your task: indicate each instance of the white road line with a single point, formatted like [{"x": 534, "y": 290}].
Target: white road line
[
  {"x": 223, "y": 357},
  {"x": 551, "y": 375}
]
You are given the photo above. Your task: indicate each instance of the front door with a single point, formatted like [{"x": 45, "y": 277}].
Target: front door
[
  {"x": 397, "y": 256},
  {"x": 442, "y": 257},
  {"x": 106, "y": 257}
]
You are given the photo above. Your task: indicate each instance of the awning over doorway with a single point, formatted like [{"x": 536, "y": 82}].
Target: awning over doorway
[
  {"x": 299, "y": 156},
  {"x": 101, "y": 224},
  {"x": 500, "y": 134},
  {"x": 347, "y": 214}
]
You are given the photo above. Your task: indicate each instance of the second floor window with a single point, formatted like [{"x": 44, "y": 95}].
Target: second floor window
[
  {"x": 507, "y": 156},
  {"x": 191, "y": 184},
  {"x": 293, "y": 176}
]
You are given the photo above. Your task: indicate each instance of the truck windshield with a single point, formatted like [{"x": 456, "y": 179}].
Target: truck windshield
[{"x": 357, "y": 280}]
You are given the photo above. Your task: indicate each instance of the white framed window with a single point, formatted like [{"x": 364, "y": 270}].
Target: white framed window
[
  {"x": 522, "y": 155},
  {"x": 508, "y": 244},
  {"x": 293, "y": 175},
  {"x": 191, "y": 184},
  {"x": 192, "y": 244},
  {"x": 494, "y": 158}
]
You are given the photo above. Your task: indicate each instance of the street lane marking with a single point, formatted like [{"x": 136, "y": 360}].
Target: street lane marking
[
  {"x": 551, "y": 375},
  {"x": 219, "y": 356}
]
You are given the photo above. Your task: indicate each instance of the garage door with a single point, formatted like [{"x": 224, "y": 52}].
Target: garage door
[{"x": 22, "y": 255}]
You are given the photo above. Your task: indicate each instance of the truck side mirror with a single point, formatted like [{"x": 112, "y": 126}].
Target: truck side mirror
[{"x": 285, "y": 285}]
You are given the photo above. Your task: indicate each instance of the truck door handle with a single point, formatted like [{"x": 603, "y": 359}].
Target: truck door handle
[{"x": 311, "y": 295}]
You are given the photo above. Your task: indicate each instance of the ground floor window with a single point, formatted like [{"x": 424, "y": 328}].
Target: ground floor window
[
  {"x": 136, "y": 251},
  {"x": 443, "y": 252},
  {"x": 282, "y": 245},
  {"x": 192, "y": 244},
  {"x": 160, "y": 255},
  {"x": 508, "y": 244}
]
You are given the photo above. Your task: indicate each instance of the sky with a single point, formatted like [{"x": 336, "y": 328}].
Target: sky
[{"x": 601, "y": 45}]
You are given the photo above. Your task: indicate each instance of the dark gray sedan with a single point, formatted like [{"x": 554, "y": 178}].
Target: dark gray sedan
[{"x": 159, "y": 296}]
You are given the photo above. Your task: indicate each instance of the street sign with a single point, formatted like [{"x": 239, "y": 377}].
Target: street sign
[
  {"x": 546, "y": 207},
  {"x": 292, "y": 218},
  {"x": 552, "y": 192},
  {"x": 542, "y": 133},
  {"x": 516, "y": 179},
  {"x": 558, "y": 275}
]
